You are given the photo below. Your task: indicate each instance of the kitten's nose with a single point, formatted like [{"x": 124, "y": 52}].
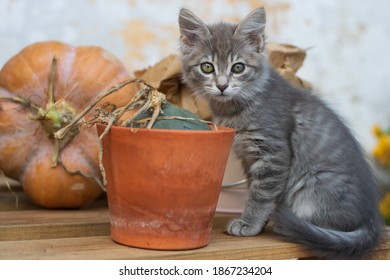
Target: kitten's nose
[{"x": 222, "y": 87}]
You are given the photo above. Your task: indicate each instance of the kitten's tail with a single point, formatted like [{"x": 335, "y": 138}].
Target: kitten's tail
[{"x": 329, "y": 244}]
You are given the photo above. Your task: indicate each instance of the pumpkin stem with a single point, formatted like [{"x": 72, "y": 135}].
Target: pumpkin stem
[
  {"x": 56, "y": 115},
  {"x": 52, "y": 76},
  {"x": 56, "y": 153},
  {"x": 20, "y": 100}
]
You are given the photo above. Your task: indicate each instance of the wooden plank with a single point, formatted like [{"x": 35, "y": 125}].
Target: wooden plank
[
  {"x": 54, "y": 231},
  {"x": 85, "y": 234},
  {"x": 221, "y": 246},
  {"x": 383, "y": 250},
  {"x": 48, "y": 224}
]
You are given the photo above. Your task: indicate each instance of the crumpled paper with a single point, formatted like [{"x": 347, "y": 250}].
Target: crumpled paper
[
  {"x": 287, "y": 59},
  {"x": 166, "y": 76}
]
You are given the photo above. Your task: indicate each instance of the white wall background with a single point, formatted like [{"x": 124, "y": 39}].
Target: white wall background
[{"x": 348, "y": 61}]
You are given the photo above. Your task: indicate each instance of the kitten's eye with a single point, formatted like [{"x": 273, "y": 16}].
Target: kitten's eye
[
  {"x": 207, "y": 68},
  {"x": 238, "y": 68}
]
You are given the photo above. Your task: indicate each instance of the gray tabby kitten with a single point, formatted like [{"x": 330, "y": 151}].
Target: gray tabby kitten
[{"x": 303, "y": 166}]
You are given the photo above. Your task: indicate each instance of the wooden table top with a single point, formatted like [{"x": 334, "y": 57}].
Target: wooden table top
[{"x": 28, "y": 232}]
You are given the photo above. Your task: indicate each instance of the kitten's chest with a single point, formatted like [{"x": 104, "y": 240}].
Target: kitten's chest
[
  {"x": 248, "y": 133},
  {"x": 238, "y": 121},
  {"x": 245, "y": 137},
  {"x": 227, "y": 122}
]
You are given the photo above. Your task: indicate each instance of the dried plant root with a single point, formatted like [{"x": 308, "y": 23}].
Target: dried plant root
[
  {"x": 102, "y": 170},
  {"x": 61, "y": 133},
  {"x": 10, "y": 188},
  {"x": 146, "y": 99},
  {"x": 78, "y": 172},
  {"x": 147, "y": 120}
]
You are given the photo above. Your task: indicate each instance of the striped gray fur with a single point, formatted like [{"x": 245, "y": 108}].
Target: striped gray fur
[{"x": 303, "y": 166}]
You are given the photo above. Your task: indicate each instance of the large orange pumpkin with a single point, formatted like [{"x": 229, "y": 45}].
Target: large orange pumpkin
[{"x": 32, "y": 109}]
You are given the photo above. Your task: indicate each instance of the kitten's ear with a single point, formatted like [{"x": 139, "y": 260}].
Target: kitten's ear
[
  {"x": 192, "y": 29},
  {"x": 252, "y": 28}
]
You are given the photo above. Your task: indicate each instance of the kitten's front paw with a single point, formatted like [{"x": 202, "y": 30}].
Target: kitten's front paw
[{"x": 239, "y": 227}]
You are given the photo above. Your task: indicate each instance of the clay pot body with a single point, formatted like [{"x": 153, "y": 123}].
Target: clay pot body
[{"x": 163, "y": 185}]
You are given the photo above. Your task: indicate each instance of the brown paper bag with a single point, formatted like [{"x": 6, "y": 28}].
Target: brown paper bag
[{"x": 287, "y": 59}]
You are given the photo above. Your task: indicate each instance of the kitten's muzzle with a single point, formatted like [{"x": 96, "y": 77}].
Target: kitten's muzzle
[{"x": 222, "y": 87}]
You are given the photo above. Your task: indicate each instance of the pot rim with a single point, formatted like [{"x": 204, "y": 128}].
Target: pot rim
[{"x": 221, "y": 129}]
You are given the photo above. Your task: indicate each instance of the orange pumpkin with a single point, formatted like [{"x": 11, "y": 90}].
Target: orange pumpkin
[{"x": 38, "y": 96}]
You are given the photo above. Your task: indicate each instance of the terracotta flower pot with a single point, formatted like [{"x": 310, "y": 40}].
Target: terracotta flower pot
[{"x": 163, "y": 185}]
